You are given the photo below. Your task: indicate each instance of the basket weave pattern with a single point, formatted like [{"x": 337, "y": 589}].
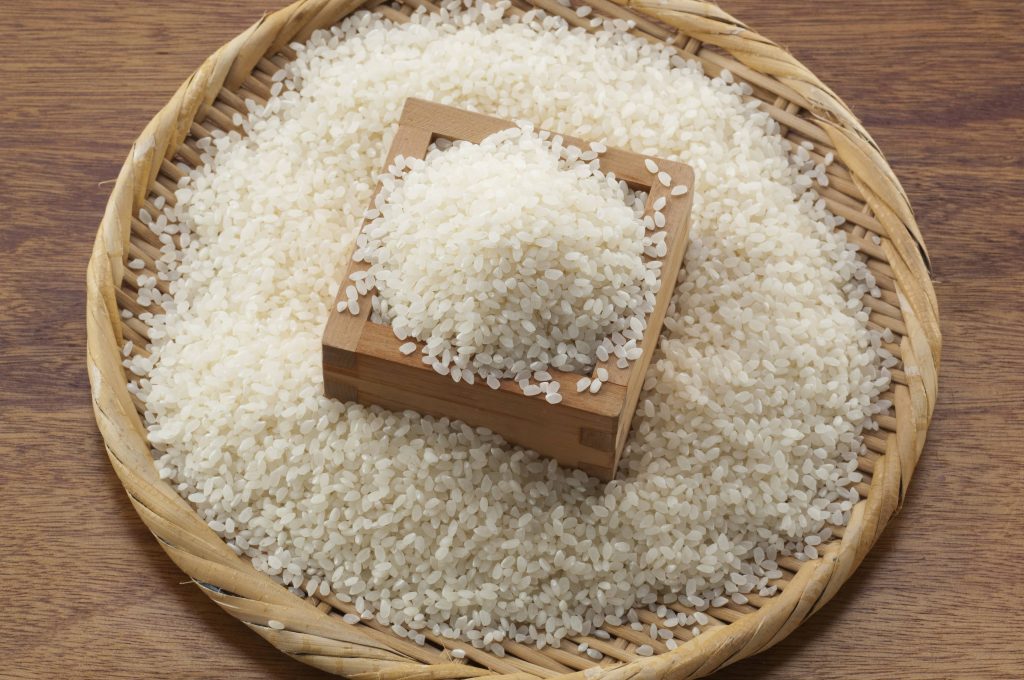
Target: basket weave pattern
[{"x": 862, "y": 188}]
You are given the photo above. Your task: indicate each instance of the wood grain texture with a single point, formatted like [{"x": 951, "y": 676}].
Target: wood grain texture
[{"x": 86, "y": 591}]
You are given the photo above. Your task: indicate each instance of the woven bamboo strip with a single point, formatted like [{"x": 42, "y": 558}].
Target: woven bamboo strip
[{"x": 861, "y": 188}]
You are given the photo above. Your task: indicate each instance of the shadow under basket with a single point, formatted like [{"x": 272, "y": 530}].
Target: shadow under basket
[
  {"x": 862, "y": 188},
  {"x": 362, "y": 360}
]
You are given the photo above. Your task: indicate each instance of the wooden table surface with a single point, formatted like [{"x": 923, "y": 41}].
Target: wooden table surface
[{"x": 86, "y": 593}]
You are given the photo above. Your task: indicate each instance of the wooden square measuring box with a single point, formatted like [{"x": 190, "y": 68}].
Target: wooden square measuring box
[{"x": 362, "y": 361}]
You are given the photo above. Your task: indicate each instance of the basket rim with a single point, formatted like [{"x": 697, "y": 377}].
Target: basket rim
[{"x": 327, "y": 642}]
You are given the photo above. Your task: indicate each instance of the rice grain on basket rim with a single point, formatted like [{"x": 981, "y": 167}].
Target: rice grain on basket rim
[{"x": 745, "y": 441}]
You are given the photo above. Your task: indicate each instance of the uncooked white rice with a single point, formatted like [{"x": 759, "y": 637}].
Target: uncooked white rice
[
  {"x": 747, "y": 432},
  {"x": 506, "y": 258}
]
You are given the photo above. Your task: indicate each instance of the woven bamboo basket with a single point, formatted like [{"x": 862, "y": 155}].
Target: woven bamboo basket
[{"x": 862, "y": 188}]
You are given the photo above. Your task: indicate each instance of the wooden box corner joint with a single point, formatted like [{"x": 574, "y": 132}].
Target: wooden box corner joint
[{"x": 362, "y": 361}]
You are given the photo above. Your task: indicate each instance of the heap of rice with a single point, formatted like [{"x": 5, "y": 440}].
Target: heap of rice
[
  {"x": 507, "y": 258},
  {"x": 745, "y": 441}
]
